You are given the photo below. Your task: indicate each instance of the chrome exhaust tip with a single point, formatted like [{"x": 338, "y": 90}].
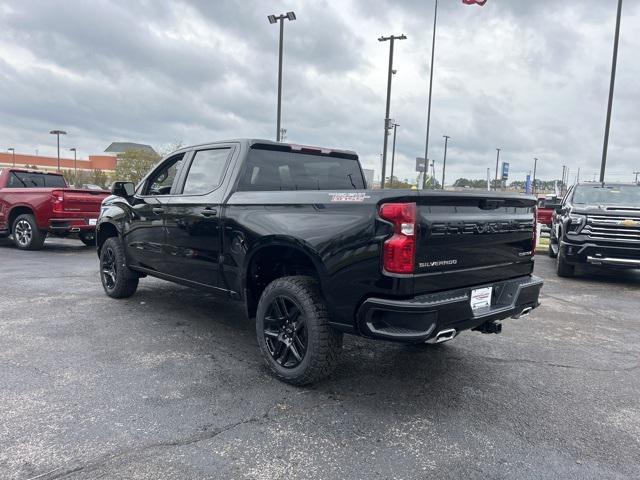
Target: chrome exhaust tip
[
  {"x": 444, "y": 336},
  {"x": 74, "y": 230},
  {"x": 524, "y": 313}
]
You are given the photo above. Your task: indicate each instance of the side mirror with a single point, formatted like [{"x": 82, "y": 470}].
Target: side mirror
[
  {"x": 123, "y": 189},
  {"x": 558, "y": 209}
]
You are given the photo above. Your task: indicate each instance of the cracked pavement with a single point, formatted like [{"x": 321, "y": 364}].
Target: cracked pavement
[{"x": 170, "y": 384}]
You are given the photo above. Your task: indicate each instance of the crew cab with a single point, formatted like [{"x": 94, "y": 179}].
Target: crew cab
[
  {"x": 293, "y": 233},
  {"x": 34, "y": 204},
  {"x": 597, "y": 224}
]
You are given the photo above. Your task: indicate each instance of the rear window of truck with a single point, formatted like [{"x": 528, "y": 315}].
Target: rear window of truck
[
  {"x": 35, "y": 180},
  {"x": 269, "y": 170}
]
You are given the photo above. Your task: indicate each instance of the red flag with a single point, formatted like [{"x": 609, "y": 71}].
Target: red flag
[{"x": 474, "y": 2}]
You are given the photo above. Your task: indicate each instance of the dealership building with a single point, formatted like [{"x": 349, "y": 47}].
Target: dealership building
[{"x": 106, "y": 163}]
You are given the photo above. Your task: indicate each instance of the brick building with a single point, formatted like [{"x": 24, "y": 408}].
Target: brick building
[{"x": 106, "y": 163}]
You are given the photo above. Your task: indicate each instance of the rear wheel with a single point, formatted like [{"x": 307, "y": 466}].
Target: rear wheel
[
  {"x": 26, "y": 235},
  {"x": 292, "y": 326},
  {"x": 553, "y": 242},
  {"x": 88, "y": 238},
  {"x": 118, "y": 280}
]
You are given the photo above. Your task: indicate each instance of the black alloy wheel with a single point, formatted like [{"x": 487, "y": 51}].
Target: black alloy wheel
[
  {"x": 285, "y": 332},
  {"x": 118, "y": 280},
  {"x": 109, "y": 270}
]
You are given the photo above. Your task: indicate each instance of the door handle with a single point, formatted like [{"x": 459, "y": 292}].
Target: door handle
[
  {"x": 209, "y": 212},
  {"x": 157, "y": 210}
]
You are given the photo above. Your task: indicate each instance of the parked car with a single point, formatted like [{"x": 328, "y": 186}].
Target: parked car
[
  {"x": 293, "y": 233},
  {"x": 597, "y": 224},
  {"x": 34, "y": 204},
  {"x": 546, "y": 209}
]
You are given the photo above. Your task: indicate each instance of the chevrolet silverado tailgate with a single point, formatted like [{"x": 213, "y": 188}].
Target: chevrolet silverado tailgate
[
  {"x": 472, "y": 238},
  {"x": 84, "y": 201}
]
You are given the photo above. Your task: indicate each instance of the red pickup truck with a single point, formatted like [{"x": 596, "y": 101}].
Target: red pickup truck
[{"x": 35, "y": 204}]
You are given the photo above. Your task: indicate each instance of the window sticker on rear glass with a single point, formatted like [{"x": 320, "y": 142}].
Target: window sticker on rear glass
[{"x": 348, "y": 197}]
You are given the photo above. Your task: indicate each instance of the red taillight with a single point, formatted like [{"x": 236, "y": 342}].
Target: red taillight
[
  {"x": 57, "y": 198},
  {"x": 399, "y": 252},
  {"x": 535, "y": 231}
]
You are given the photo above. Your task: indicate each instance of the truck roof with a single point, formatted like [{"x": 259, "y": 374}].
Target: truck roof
[
  {"x": 249, "y": 142},
  {"x": 609, "y": 184}
]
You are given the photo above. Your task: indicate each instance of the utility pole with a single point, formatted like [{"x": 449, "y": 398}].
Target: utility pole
[
  {"x": 75, "y": 165},
  {"x": 488, "y": 179},
  {"x": 578, "y": 176},
  {"x": 57, "y": 133},
  {"x": 564, "y": 171},
  {"x": 444, "y": 163},
  {"x": 274, "y": 19},
  {"x": 614, "y": 62},
  {"x": 433, "y": 174},
  {"x": 497, "y": 161},
  {"x": 533, "y": 185},
  {"x": 636, "y": 174},
  {"x": 387, "y": 121},
  {"x": 433, "y": 54},
  {"x": 13, "y": 152},
  {"x": 393, "y": 153}
]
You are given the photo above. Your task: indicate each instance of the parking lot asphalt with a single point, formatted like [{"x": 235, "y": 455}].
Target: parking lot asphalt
[{"x": 170, "y": 384}]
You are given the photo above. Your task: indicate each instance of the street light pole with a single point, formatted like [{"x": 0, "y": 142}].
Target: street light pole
[
  {"x": 274, "y": 19},
  {"x": 614, "y": 63},
  {"x": 497, "y": 161},
  {"x": 564, "y": 171},
  {"x": 387, "y": 123},
  {"x": 444, "y": 163},
  {"x": 75, "y": 165},
  {"x": 13, "y": 154},
  {"x": 533, "y": 185},
  {"x": 393, "y": 153},
  {"x": 433, "y": 54},
  {"x": 636, "y": 174},
  {"x": 57, "y": 133}
]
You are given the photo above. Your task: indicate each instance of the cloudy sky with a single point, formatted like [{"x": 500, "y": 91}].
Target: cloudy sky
[{"x": 530, "y": 76}]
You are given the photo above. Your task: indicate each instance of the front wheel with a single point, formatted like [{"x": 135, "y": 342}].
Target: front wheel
[
  {"x": 292, "y": 325},
  {"x": 564, "y": 269},
  {"x": 118, "y": 280}
]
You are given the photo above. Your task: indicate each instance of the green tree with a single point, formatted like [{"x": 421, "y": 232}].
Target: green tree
[
  {"x": 133, "y": 165},
  {"x": 100, "y": 178}
]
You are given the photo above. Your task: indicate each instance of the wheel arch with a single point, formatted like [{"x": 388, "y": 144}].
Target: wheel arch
[
  {"x": 277, "y": 257},
  {"x": 104, "y": 231},
  {"x": 18, "y": 210}
]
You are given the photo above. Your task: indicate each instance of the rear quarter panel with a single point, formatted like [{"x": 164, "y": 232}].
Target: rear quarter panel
[{"x": 339, "y": 231}]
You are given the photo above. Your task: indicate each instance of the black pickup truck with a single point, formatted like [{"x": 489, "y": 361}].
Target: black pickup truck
[
  {"x": 293, "y": 232},
  {"x": 597, "y": 224}
]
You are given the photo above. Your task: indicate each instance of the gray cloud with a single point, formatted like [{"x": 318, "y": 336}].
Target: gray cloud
[{"x": 530, "y": 77}]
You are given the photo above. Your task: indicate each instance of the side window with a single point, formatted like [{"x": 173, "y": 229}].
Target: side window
[
  {"x": 206, "y": 171},
  {"x": 161, "y": 181}
]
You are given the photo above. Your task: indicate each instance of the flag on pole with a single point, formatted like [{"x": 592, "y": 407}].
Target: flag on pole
[{"x": 474, "y": 2}]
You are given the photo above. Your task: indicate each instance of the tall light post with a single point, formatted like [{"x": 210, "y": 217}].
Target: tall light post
[
  {"x": 387, "y": 121},
  {"x": 636, "y": 174},
  {"x": 75, "y": 165},
  {"x": 433, "y": 55},
  {"x": 13, "y": 153},
  {"x": 274, "y": 19},
  {"x": 497, "y": 161},
  {"x": 614, "y": 62},
  {"x": 533, "y": 185},
  {"x": 57, "y": 133},
  {"x": 564, "y": 172},
  {"x": 393, "y": 152},
  {"x": 444, "y": 163}
]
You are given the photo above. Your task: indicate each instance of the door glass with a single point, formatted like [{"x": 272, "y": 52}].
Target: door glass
[
  {"x": 206, "y": 171},
  {"x": 161, "y": 180}
]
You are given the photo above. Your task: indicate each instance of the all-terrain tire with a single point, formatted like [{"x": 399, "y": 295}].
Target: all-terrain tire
[
  {"x": 117, "y": 279},
  {"x": 26, "y": 235},
  {"x": 323, "y": 342}
]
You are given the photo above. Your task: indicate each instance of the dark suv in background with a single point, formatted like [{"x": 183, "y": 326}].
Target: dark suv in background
[{"x": 597, "y": 224}]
